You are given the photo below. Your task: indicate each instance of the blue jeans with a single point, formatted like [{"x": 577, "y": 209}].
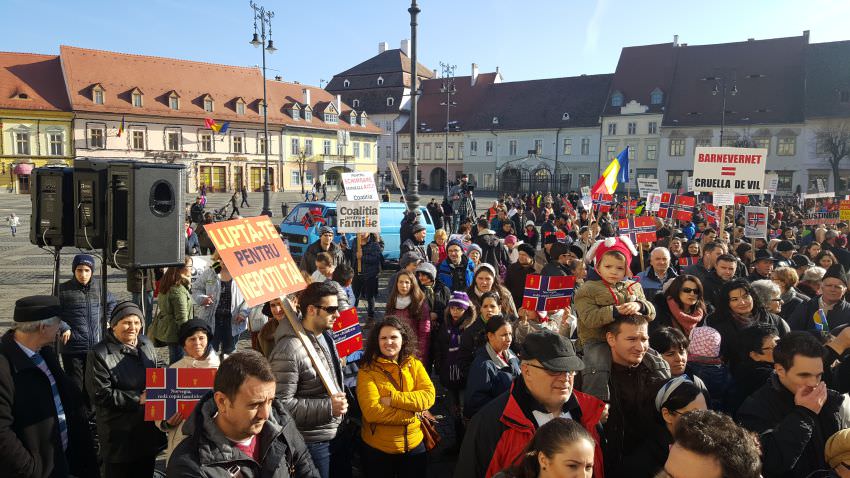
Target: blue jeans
[{"x": 332, "y": 458}]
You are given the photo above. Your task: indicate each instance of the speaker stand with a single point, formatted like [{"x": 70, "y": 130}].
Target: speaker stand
[
  {"x": 103, "y": 289},
  {"x": 56, "y": 259}
]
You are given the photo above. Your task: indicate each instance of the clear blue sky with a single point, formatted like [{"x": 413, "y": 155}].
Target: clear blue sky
[{"x": 316, "y": 39}]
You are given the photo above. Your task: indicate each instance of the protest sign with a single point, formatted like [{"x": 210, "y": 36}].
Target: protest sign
[
  {"x": 347, "y": 335},
  {"x": 586, "y": 202},
  {"x": 647, "y": 185},
  {"x": 358, "y": 216},
  {"x": 585, "y": 191},
  {"x": 723, "y": 199},
  {"x": 818, "y": 218},
  {"x": 771, "y": 181},
  {"x": 726, "y": 169},
  {"x": 360, "y": 186},
  {"x": 653, "y": 201},
  {"x": 690, "y": 184},
  {"x": 255, "y": 256},
  {"x": 172, "y": 390},
  {"x": 844, "y": 210},
  {"x": 755, "y": 225},
  {"x": 547, "y": 292}
]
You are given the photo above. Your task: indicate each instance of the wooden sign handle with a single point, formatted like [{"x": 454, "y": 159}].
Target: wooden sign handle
[{"x": 324, "y": 374}]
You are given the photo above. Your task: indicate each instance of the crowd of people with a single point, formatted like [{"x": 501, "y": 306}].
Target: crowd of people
[{"x": 703, "y": 353}]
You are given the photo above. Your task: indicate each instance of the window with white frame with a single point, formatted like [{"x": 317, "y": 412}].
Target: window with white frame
[
  {"x": 208, "y": 105},
  {"x": 617, "y": 99},
  {"x": 326, "y": 147},
  {"x": 340, "y": 149},
  {"x": 355, "y": 103},
  {"x": 57, "y": 143},
  {"x": 761, "y": 143},
  {"x": 567, "y": 147},
  {"x": 295, "y": 113},
  {"x": 172, "y": 140},
  {"x": 451, "y": 151},
  {"x": 308, "y": 177},
  {"x": 674, "y": 180},
  {"x": 611, "y": 150},
  {"x": 656, "y": 97},
  {"x": 206, "y": 143},
  {"x": 174, "y": 102},
  {"x": 331, "y": 118},
  {"x": 137, "y": 99},
  {"x": 390, "y": 101},
  {"x": 389, "y": 152},
  {"x": 308, "y": 147},
  {"x": 355, "y": 149},
  {"x": 367, "y": 150},
  {"x": 632, "y": 127},
  {"x": 585, "y": 146},
  {"x": 363, "y": 119},
  {"x": 512, "y": 147},
  {"x": 677, "y": 147},
  {"x": 294, "y": 146},
  {"x": 97, "y": 96},
  {"x": 238, "y": 143},
  {"x": 346, "y": 84},
  {"x": 438, "y": 150},
  {"x": 538, "y": 146},
  {"x": 380, "y": 80},
  {"x": 426, "y": 152},
  {"x": 651, "y": 152},
  {"x": 261, "y": 108},
  {"x": 22, "y": 143},
  {"x": 702, "y": 142},
  {"x": 295, "y": 178},
  {"x": 488, "y": 147},
  {"x": 138, "y": 139},
  {"x": 389, "y": 126},
  {"x": 652, "y": 127},
  {"x": 632, "y": 152},
  {"x": 785, "y": 180},
  {"x": 308, "y": 114},
  {"x": 786, "y": 146},
  {"x": 96, "y": 138},
  {"x": 261, "y": 144},
  {"x": 612, "y": 129},
  {"x": 405, "y": 151},
  {"x": 473, "y": 148},
  {"x": 240, "y": 107}
]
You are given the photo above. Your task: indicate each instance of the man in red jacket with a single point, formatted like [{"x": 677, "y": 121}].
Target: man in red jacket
[{"x": 498, "y": 433}]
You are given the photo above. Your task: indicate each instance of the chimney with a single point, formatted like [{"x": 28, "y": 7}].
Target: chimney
[
  {"x": 806, "y": 36},
  {"x": 278, "y": 78},
  {"x": 474, "y": 74},
  {"x": 435, "y": 72},
  {"x": 383, "y": 46},
  {"x": 339, "y": 103},
  {"x": 405, "y": 47},
  {"x": 675, "y": 41},
  {"x": 306, "y": 92}
]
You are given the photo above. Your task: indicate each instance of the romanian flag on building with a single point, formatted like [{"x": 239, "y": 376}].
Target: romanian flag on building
[
  {"x": 121, "y": 127},
  {"x": 218, "y": 128},
  {"x": 616, "y": 172}
]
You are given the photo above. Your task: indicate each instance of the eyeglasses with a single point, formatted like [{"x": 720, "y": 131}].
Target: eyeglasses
[
  {"x": 688, "y": 290},
  {"x": 778, "y": 299},
  {"x": 551, "y": 373},
  {"x": 330, "y": 309}
]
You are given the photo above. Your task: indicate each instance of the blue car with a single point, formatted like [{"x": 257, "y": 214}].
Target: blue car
[{"x": 299, "y": 237}]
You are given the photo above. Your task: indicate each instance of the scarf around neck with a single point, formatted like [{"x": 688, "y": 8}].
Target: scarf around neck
[
  {"x": 686, "y": 321},
  {"x": 403, "y": 302}
]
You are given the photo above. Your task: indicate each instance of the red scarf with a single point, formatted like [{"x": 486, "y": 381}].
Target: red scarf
[{"x": 686, "y": 321}]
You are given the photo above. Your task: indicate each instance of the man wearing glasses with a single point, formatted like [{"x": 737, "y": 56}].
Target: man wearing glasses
[
  {"x": 499, "y": 431},
  {"x": 317, "y": 414}
]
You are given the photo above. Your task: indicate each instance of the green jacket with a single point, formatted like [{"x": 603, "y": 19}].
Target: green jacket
[{"x": 175, "y": 308}]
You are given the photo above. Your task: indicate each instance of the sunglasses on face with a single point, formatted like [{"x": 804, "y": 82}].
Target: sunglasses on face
[
  {"x": 331, "y": 309},
  {"x": 688, "y": 290}
]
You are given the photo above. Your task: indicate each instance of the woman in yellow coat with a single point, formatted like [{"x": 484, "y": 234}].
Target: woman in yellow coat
[{"x": 393, "y": 390}]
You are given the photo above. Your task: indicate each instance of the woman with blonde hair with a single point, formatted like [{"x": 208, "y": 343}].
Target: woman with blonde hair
[{"x": 437, "y": 248}]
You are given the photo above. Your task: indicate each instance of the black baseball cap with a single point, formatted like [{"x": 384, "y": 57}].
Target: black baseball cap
[{"x": 554, "y": 351}]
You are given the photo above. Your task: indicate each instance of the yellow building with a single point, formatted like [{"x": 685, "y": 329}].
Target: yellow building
[{"x": 35, "y": 118}]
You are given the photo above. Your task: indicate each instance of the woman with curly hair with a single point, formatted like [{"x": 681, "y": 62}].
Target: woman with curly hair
[
  {"x": 394, "y": 393},
  {"x": 407, "y": 302}
]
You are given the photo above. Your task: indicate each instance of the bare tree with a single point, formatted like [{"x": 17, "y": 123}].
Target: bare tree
[
  {"x": 833, "y": 144},
  {"x": 301, "y": 160}
]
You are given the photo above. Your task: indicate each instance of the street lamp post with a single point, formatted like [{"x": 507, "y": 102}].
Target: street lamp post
[
  {"x": 413, "y": 175},
  {"x": 449, "y": 89},
  {"x": 720, "y": 86},
  {"x": 259, "y": 40}
]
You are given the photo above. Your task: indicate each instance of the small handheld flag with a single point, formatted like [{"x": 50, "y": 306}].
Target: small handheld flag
[
  {"x": 547, "y": 292},
  {"x": 347, "y": 335},
  {"x": 639, "y": 229},
  {"x": 821, "y": 325}
]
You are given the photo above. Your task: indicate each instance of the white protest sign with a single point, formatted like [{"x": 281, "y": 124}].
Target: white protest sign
[
  {"x": 735, "y": 170},
  {"x": 755, "y": 222},
  {"x": 723, "y": 199},
  {"x": 690, "y": 184},
  {"x": 585, "y": 191},
  {"x": 654, "y": 201},
  {"x": 647, "y": 185},
  {"x": 360, "y": 186},
  {"x": 358, "y": 216},
  {"x": 771, "y": 181},
  {"x": 586, "y": 202}
]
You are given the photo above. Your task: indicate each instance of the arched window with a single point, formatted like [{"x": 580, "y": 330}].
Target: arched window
[
  {"x": 390, "y": 101},
  {"x": 355, "y": 103},
  {"x": 346, "y": 84},
  {"x": 380, "y": 80}
]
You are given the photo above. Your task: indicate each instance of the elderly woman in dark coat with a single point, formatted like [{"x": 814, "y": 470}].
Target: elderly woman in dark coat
[{"x": 115, "y": 382}]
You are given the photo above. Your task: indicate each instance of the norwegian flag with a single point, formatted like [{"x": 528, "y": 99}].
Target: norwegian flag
[
  {"x": 547, "y": 292},
  {"x": 627, "y": 208},
  {"x": 688, "y": 261},
  {"x": 561, "y": 236},
  {"x": 639, "y": 229},
  {"x": 665, "y": 210},
  {"x": 347, "y": 335},
  {"x": 568, "y": 207},
  {"x": 712, "y": 214},
  {"x": 603, "y": 202},
  {"x": 312, "y": 217},
  {"x": 682, "y": 208},
  {"x": 164, "y": 386}
]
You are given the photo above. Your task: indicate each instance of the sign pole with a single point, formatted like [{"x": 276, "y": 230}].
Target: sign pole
[
  {"x": 721, "y": 220},
  {"x": 324, "y": 374}
]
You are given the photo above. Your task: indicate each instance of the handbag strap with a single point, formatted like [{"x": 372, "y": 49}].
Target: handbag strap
[{"x": 390, "y": 378}]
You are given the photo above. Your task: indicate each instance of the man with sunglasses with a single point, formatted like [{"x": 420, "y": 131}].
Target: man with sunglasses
[
  {"x": 499, "y": 431},
  {"x": 317, "y": 414}
]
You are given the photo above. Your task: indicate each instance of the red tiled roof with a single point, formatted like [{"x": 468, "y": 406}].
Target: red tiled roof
[
  {"x": 119, "y": 73},
  {"x": 39, "y": 77},
  {"x": 769, "y": 75}
]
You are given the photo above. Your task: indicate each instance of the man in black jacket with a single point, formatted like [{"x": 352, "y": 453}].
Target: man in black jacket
[
  {"x": 240, "y": 429},
  {"x": 762, "y": 266},
  {"x": 324, "y": 244},
  {"x": 831, "y": 301},
  {"x": 795, "y": 412},
  {"x": 416, "y": 243},
  {"x": 43, "y": 426},
  {"x": 725, "y": 269}
]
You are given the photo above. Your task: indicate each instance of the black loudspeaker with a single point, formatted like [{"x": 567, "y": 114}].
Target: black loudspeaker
[
  {"x": 90, "y": 176},
  {"x": 52, "y": 208},
  {"x": 145, "y": 216}
]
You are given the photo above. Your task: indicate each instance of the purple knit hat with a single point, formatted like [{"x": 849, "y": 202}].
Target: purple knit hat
[{"x": 459, "y": 299}]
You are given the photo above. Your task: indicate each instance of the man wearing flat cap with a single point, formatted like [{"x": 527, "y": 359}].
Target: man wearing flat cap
[
  {"x": 43, "y": 427},
  {"x": 831, "y": 302},
  {"x": 498, "y": 433}
]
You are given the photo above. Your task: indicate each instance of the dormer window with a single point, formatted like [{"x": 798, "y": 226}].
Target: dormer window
[
  {"x": 565, "y": 117},
  {"x": 352, "y": 118},
  {"x": 208, "y": 104},
  {"x": 495, "y": 120},
  {"x": 380, "y": 81},
  {"x": 240, "y": 106},
  {"x": 355, "y": 103},
  {"x": 136, "y": 96},
  {"x": 261, "y": 107},
  {"x": 656, "y": 97},
  {"x": 97, "y": 94},
  {"x": 22, "y": 96},
  {"x": 617, "y": 99},
  {"x": 331, "y": 118},
  {"x": 174, "y": 101},
  {"x": 308, "y": 114},
  {"x": 363, "y": 119},
  {"x": 346, "y": 84},
  {"x": 295, "y": 112},
  {"x": 390, "y": 101}
]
